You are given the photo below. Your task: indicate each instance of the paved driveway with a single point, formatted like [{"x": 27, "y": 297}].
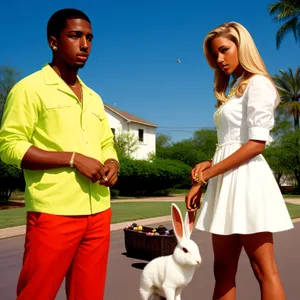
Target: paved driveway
[{"x": 123, "y": 272}]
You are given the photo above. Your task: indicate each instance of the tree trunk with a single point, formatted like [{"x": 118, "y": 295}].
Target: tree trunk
[
  {"x": 5, "y": 194},
  {"x": 297, "y": 176},
  {"x": 296, "y": 122},
  {"x": 278, "y": 177}
]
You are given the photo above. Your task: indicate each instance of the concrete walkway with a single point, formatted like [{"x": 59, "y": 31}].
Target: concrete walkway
[{"x": 20, "y": 230}]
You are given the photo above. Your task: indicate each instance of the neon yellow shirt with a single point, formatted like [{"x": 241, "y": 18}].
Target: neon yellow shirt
[{"x": 41, "y": 110}]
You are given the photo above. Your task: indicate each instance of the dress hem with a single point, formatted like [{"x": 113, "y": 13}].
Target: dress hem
[{"x": 245, "y": 233}]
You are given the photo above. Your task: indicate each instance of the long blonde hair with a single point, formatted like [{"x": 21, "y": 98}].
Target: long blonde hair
[{"x": 249, "y": 59}]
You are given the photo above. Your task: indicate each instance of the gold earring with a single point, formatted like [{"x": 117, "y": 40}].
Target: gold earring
[{"x": 54, "y": 48}]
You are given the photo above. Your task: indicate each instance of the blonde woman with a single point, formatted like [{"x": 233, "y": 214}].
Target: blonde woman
[{"x": 243, "y": 205}]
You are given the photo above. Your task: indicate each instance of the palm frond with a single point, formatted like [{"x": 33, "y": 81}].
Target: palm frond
[
  {"x": 274, "y": 8},
  {"x": 288, "y": 85},
  {"x": 284, "y": 10},
  {"x": 298, "y": 29},
  {"x": 290, "y": 25}
]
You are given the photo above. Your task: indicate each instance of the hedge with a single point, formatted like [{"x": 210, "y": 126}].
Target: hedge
[{"x": 144, "y": 178}]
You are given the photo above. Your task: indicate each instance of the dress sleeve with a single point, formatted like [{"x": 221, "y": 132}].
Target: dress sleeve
[{"x": 261, "y": 101}]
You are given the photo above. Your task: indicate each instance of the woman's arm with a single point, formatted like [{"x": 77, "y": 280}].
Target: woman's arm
[{"x": 249, "y": 150}]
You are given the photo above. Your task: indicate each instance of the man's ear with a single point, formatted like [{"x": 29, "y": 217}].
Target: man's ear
[{"x": 52, "y": 41}]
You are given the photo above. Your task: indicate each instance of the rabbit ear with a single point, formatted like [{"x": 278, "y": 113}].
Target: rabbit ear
[
  {"x": 177, "y": 222},
  {"x": 189, "y": 223}
]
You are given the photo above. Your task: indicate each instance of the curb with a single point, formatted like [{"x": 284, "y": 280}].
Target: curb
[{"x": 21, "y": 230}]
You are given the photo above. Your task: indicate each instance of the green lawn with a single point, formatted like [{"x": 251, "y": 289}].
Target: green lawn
[
  {"x": 291, "y": 196},
  {"x": 122, "y": 212},
  {"x": 12, "y": 217},
  {"x": 294, "y": 210}
]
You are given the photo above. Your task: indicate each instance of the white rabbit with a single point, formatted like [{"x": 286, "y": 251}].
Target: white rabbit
[{"x": 166, "y": 276}]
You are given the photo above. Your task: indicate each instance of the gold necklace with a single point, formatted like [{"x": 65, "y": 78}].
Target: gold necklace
[{"x": 230, "y": 94}]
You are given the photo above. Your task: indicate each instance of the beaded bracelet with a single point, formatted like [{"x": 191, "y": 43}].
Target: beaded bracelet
[
  {"x": 201, "y": 177},
  {"x": 198, "y": 177}
]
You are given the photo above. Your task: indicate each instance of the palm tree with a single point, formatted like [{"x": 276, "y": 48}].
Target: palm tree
[
  {"x": 287, "y": 11},
  {"x": 288, "y": 85}
]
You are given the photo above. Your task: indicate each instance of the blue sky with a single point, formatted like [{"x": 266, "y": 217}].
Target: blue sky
[{"x": 136, "y": 45}]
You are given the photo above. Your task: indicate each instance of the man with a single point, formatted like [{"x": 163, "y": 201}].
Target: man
[{"x": 55, "y": 128}]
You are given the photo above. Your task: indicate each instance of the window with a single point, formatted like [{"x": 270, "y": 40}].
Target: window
[{"x": 141, "y": 135}]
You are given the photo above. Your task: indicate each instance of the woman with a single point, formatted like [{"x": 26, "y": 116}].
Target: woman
[{"x": 243, "y": 205}]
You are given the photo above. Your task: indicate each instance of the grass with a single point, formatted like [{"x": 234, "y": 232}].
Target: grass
[
  {"x": 122, "y": 212},
  {"x": 20, "y": 195},
  {"x": 128, "y": 211},
  {"x": 294, "y": 210},
  {"x": 12, "y": 217},
  {"x": 291, "y": 196}
]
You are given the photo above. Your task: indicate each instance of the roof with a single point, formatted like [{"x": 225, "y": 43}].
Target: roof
[{"x": 129, "y": 117}]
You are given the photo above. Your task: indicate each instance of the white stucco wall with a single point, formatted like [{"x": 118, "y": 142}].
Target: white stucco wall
[
  {"x": 116, "y": 122},
  {"x": 119, "y": 124},
  {"x": 149, "y": 143}
]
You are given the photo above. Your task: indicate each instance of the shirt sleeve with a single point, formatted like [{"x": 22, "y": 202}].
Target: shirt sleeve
[
  {"x": 261, "y": 101},
  {"x": 19, "y": 120}
]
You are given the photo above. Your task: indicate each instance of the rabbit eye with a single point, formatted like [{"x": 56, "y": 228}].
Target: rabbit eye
[{"x": 185, "y": 250}]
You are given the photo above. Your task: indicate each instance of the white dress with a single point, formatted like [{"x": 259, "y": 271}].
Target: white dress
[{"x": 246, "y": 199}]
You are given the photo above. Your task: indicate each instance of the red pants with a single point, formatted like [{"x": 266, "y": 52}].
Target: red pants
[{"x": 59, "y": 246}]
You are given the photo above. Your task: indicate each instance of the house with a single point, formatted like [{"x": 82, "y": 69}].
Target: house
[{"x": 145, "y": 131}]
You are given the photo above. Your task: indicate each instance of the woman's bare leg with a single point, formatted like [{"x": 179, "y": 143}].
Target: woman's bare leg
[
  {"x": 227, "y": 250},
  {"x": 260, "y": 250}
]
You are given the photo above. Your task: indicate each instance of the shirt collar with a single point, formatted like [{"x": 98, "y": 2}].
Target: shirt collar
[{"x": 52, "y": 78}]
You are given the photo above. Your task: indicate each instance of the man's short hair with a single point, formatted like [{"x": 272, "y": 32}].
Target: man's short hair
[{"x": 58, "y": 20}]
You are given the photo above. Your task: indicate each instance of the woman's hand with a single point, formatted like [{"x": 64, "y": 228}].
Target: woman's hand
[
  {"x": 200, "y": 168},
  {"x": 193, "y": 197}
]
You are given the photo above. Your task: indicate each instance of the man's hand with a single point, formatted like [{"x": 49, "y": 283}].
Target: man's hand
[
  {"x": 112, "y": 167},
  {"x": 91, "y": 168}
]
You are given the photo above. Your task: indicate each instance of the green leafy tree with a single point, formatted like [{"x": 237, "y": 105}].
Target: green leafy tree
[
  {"x": 8, "y": 77},
  {"x": 283, "y": 123},
  {"x": 205, "y": 140},
  {"x": 288, "y": 12},
  {"x": 163, "y": 141},
  {"x": 190, "y": 151},
  {"x": 276, "y": 160},
  {"x": 126, "y": 144},
  {"x": 163, "y": 144},
  {"x": 273, "y": 153},
  {"x": 290, "y": 146},
  {"x": 283, "y": 156},
  {"x": 10, "y": 177},
  {"x": 186, "y": 152},
  {"x": 288, "y": 84}
]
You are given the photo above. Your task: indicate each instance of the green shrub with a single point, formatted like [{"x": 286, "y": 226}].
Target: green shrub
[
  {"x": 114, "y": 193},
  {"x": 144, "y": 178},
  {"x": 11, "y": 179}
]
